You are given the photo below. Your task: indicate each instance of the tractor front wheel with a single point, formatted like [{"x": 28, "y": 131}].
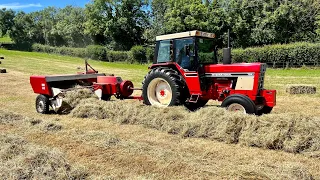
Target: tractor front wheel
[
  {"x": 239, "y": 103},
  {"x": 162, "y": 87},
  {"x": 42, "y": 104}
]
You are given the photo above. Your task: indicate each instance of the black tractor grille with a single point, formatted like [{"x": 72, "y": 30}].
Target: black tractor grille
[{"x": 263, "y": 69}]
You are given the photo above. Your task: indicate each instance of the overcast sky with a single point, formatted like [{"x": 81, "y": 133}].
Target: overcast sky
[{"x": 34, "y": 5}]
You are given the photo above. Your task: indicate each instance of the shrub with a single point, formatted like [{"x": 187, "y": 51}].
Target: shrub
[
  {"x": 118, "y": 56},
  {"x": 76, "y": 52},
  {"x": 96, "y": 52},
  {"x": 150, "y": 54},
  {"x": 139, "y": 54},
  {"x": 297, "y": 54}
]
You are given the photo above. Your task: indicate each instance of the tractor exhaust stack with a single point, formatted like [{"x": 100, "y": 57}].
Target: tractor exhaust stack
[{"x": 227, "y": 52}]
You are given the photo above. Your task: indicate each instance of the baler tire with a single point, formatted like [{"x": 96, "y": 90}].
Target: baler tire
[
  {"x": 42, "y": 104},
  {"x": 195, "y": 106},
  {"x": 264, "y": 110},
  {"x": 241, "y": 100},
  {"x": 171, "y": 78}
]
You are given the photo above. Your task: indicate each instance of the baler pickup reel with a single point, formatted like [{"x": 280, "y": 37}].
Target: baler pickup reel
[{"x": 52, "y": 88}]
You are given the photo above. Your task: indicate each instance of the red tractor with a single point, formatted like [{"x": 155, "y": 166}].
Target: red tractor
[{"x": 184, "y": 72}]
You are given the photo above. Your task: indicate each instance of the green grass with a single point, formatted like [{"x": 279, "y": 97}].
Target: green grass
[{"x": 5, "y": 39}]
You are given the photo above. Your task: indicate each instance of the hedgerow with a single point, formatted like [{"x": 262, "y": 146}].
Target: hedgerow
[{"x": 295, "y": 54}]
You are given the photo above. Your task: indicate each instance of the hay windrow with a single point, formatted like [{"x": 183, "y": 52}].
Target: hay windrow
[
  {"x": 288, "y": 132},
  {"x": 22, "y": 160},
  {"x": 301, "y": 89}
]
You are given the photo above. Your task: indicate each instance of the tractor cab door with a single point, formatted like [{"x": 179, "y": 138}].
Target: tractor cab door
[{"x": 185, "y": 53}]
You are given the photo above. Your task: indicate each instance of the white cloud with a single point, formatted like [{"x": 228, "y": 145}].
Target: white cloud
[{"x": 18, "y": 6}]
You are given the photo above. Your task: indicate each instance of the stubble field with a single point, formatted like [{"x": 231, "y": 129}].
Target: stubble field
[{"x": 65, "y": 146}]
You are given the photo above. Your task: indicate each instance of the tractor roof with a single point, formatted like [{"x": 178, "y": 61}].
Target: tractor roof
[{"x": 185, "y": 34}]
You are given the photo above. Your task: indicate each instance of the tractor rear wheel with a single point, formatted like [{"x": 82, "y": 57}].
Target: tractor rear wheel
[
  {"x": 162, "y": 87},
  {"x": 239, "y": 103},
  {"x": 42, "y": 104}
]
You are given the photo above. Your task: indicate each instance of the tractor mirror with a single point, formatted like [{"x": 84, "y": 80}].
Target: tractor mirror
[{"x": 187, "y": 49}]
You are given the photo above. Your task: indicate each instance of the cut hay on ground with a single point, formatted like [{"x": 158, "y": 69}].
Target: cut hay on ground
[
  {"x": 22, "y": 160},
  {"x": 301, "y": 89},
  {"x": 287, "y": 132},
  {"x": 8, "y": 117}
]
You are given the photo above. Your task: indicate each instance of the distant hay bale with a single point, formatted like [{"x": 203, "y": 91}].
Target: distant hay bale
[
  {"x": 22, "y": 160},
  {"x": 301, "y": 89},
  {"x": 290, "y": 133},
  {"x": 3, "y": 71}
]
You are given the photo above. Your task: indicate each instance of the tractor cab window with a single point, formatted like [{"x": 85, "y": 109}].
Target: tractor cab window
[
  {"x": 184, "y": 53},
  {"x": 164, "y": 52},
  {"x": 206, "y": 51}
]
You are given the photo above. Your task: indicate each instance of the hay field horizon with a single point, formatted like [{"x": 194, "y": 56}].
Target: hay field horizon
[{"x": 105, "y": 149}]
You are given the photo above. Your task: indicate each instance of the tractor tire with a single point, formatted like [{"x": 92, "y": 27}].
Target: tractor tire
[
  {"x": 42, "y": 104},
  {"x": 195, "y": 106},
  {"x": 238, "y": 102},
  {"x": 264, "y": 110},
  {"x": 163, "y": 87}
]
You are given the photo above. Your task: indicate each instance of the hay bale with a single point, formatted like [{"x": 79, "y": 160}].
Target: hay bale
[
  {"x": 301, "y": 89},
  {"x": 3, "y": 71}
]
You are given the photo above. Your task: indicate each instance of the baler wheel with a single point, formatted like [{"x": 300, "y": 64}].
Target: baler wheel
[
  {"x": 162, "y": 87},
  {"x": 241, "y": 103},
  {"x": 42, "y": 104}
]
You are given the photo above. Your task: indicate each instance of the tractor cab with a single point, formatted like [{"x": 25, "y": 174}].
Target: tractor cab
[{"x": 188, "y": 49}]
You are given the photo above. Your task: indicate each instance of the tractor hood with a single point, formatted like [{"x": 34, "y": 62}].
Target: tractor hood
[{"x": 234, "y": 68}]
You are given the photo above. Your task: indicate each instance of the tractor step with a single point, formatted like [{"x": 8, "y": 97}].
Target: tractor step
[{"x": 194, "y": 98}]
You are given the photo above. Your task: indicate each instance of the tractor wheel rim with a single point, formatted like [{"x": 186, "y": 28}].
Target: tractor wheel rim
[
  {"x": 159, "y": 92},
  {"x": 40, "y": 106},
  {"x": 235, "y": 107}
]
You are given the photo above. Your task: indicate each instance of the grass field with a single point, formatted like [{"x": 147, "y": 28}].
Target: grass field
[{"x": 110, "y": 150}]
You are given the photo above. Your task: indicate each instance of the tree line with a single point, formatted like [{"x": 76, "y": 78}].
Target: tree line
[{"x": 122, "y": 24}]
